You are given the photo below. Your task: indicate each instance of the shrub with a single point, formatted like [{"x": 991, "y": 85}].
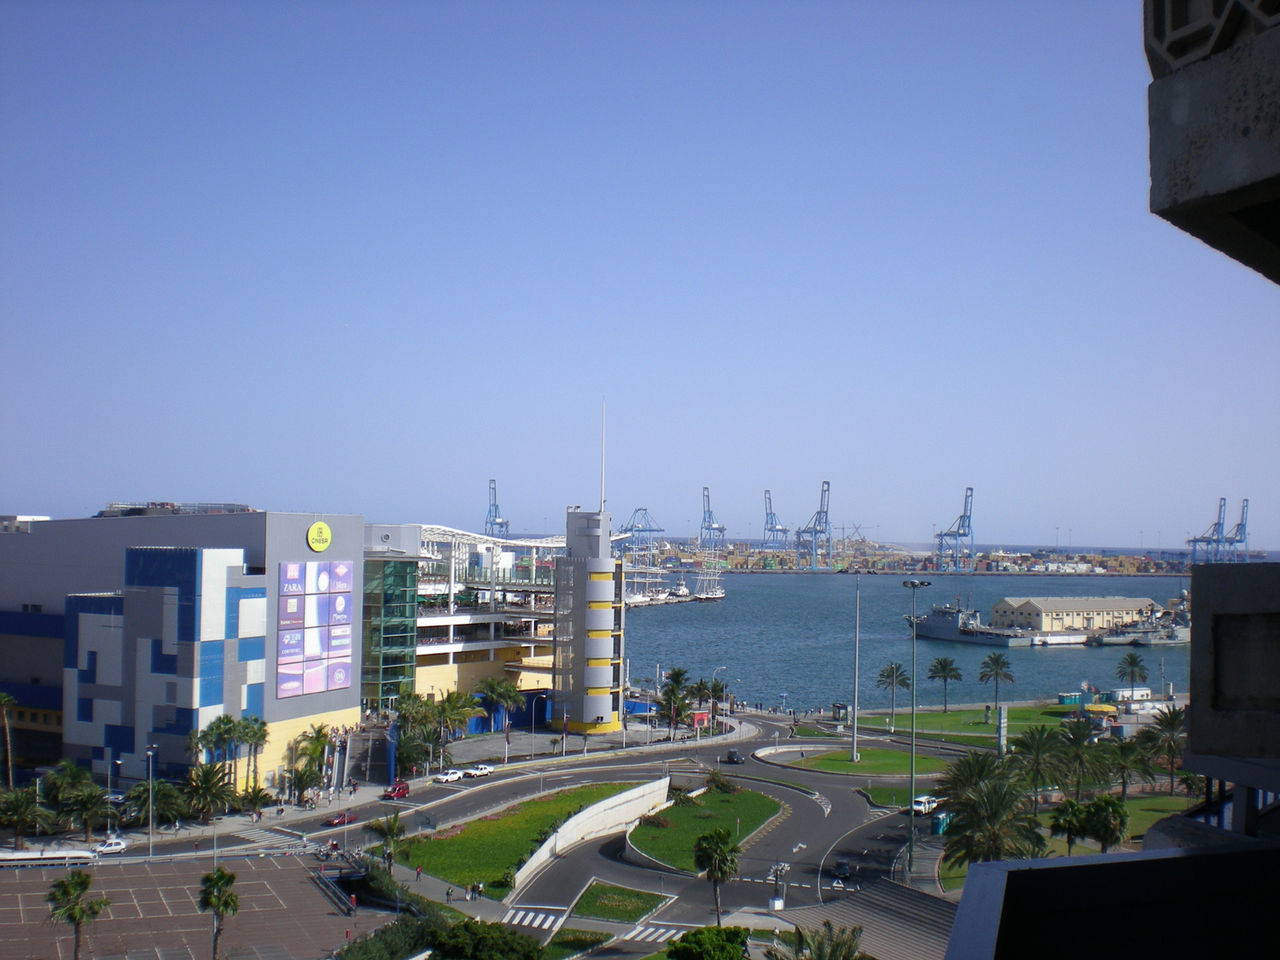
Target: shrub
[
  {"x": 718, "y": 782},
  {"x": 655, "y": 820}
]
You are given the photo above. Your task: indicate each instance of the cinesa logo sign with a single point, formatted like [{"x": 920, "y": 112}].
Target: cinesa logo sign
[{"x": 319, "y": 536}]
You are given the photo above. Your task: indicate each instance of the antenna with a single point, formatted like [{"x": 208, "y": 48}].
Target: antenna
[{"x": 602, "y": 454}]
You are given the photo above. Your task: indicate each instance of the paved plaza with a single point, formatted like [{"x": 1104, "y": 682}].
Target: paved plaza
[{"x": 154, "y": 914}]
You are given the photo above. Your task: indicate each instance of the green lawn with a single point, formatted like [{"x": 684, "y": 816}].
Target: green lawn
[
  {"x": 888, "y": 796},
  {"x": 603, "y": 901},
  {"x": 807, "y": 731},
  {"x": 570, "y": 943},
  {"x": 971, "y": 721},
  {"x": 740, "y": 813},
  {"x": 872, "y": 762},
  {"x": 484, "y": 850}
]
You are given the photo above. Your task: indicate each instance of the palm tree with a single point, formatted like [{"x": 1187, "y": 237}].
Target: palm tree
[
  {"x": 390, "y": 829},
  {"x": 1128, "y": 760},
  {"x": 673, "y": 696},
  {"x": 716, "y": 855},
  {"x": 1081, "y": 757},
  {"x": 255, "y": 798},
  {"x": 995, "y": 667},
  {"x": 21, "y": 810},
  {"x": 1131, "y": 668},
  {"x": 219, "y": 736},
  {"x": 69, "y": 902},
  {"x": 162, "y": 797},
  {"x": 892, "y": 676},
  {"x": 829, "y": 943},
  {"x": 944, "y": 669},
  {"x": 304, "y": 779},
  {"x": 1067, "y": 820},
  {"x": 217, "y": 896},
  {"x": 974, "y": 768},
  {"x": 718, "y": 690},
  {"x": 498, "y": 693},
  {"x": 700, "y": 691},
  {"x": 7, "y": 700},
  {"x": 453, "y": 712},
  {"x": 1192, "y": 784},
  {"x": 252, "y": 732},
  {"x": 207, "y": 788},
  {"x": 1106, "y": 820},
  {"x": 63, "y": 779},
  {"x": 992, "y": 822},
  {"x": 1037, "y": 756},
  {"x": 86, "y": 807},
  {"x": 1165, "y": 736}
]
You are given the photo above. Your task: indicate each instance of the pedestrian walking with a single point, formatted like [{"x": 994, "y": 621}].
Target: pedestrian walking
[
  {"x": 419, "y": 874},
  {"x": 448, "y": 895}
]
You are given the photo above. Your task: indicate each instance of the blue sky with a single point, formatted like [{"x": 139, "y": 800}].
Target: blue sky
[{"x": 363, "y": 257}]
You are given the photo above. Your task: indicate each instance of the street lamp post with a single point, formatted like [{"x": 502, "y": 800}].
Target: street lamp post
[
  {"x": 913, "y": 586},
  {"x": 116, "y": 764},
  {"x": 151, "y": 802},
  {"x": 857, "y": 639}
]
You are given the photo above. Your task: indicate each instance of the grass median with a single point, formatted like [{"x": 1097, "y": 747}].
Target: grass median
[
  {"x": 872, "y": 762},
  {"x": 668, "y": 836},
  {"x": 490, "y": 849},
  {"x": 604, "y": 901}
]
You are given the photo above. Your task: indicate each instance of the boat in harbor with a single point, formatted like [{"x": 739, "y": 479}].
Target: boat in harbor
[
  {"x": 681, "y": 589},
  {"x": 951, "y": 621}
]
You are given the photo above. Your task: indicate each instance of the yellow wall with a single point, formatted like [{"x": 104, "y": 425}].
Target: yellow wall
[
  {"x": 281, "y": 733},
  {"x": 434, "y": 673}
]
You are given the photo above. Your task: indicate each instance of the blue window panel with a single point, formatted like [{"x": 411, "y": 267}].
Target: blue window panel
[
  {"x": 177, "y": 567},
  {"x": 253, "y": 698},
  {"x": 162, "y": 662},
  {"x": 211, "y": 652},
  {"x": 234, "y": 596},
  {"x": 31, "y": 624},
  {"x": 118, "y": 739},
  {"x": 252, "y": 648},
  {"x": 84, "y": 709},
  {"x": 74, "y": 606},
  {"x": 98, "y": 753},
  {"x": 184, "y": 721},
  {"x": 90, "y": 673}
]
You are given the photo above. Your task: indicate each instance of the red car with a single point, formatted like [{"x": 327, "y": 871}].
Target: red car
[
  {"x": 341, "y": 819},
  {"x": 398, "y": 791}
]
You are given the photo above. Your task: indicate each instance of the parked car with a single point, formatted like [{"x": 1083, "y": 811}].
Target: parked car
[
  {"x": 397, "y": 791},
  {"x": 479, "y": 770},
  {"x": 448, "y": 776},
  {"x": 841, "y": 870},
  {"x": 342, "y": 819},
  {"x": 111, "y": 845},
  {"x": 733, "y": 756},
  {"x": 924, "y": 804}
]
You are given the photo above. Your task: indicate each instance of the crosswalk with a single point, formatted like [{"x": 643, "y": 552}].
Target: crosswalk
[
  {"x": 650, "y": 934},
  {"x": 534, "y": 919},
  {"x": 266, "y": 838}
]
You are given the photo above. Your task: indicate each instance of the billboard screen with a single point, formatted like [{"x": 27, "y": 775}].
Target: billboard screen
[{"x": 314, "y": 627}]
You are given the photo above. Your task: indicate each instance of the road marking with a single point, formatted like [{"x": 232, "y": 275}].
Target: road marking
[
  {"x": 266, "y": 837},
  {"x": 537, "y": 919},
  {"x": 653, "y": 934},
  {"x": 824, "y": 803}
]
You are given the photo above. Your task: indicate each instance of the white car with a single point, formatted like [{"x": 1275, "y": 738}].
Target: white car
[
  {"x": 113, "y": 845},
  {"x": 925, "y": 804},
  {"x": 448, "y": 776},
  {"x": 479, "y": 770}
]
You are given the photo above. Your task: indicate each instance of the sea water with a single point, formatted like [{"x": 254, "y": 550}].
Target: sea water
[{"x": 788, "y": 639}]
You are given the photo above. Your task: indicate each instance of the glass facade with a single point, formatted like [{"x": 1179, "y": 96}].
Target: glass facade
[{"x": 390, "y": 635}]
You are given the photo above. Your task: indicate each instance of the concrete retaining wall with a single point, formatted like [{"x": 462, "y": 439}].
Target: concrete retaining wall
[{"x": 597, "y": 820}]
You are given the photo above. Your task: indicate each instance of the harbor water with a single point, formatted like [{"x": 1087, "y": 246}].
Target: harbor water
[{"x": 793, "y": 635}]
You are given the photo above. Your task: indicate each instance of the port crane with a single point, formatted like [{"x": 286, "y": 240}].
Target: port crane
[
  {"x": 711, "y": 533},
  {"x": 810, "y": 537},
  {"x": 494, "y": 525},
  {"x": 775, "y": 534},
  {"x": 1211, "y": 546},
  {"x": 641, "y": 553},
  {"x": 1238, "y": 537},
  {"x": 954, "y": 550}
]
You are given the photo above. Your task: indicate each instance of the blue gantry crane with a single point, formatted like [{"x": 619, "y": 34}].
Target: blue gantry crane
[
  {"x": 1238, "y": 536},
  {"x": 810, "y": 537},
  {"x": 1211, "y": 546},
  {"x": 494, "y": 525},
  {"x": 775, "y": 534},
  {"x": 642, "y": 527},
  {"x": 954, "y": 549},
  {"x": 711, "y": 533}
]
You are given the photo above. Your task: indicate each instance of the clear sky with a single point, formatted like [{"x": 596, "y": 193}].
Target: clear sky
[{"x": 363, "y": 257}]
